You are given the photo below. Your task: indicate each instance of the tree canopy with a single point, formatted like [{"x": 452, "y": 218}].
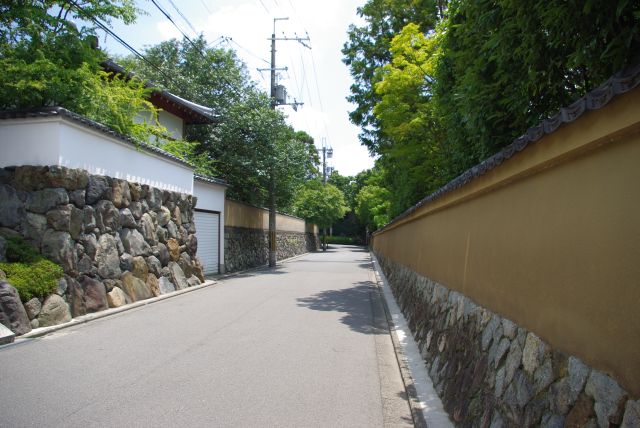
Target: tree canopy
[
  {"x": 440, "y": 86},
  {"x": 49, "y": 57},
  {"x": 250, "y": 146},
  {"x": 321, "y": 204}
]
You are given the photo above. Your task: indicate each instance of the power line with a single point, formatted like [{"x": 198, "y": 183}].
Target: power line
[
  {"x": 197, "y": 48},
  {"x": 246, "y": 50},
  {"x": 315, "y": 73},
  {"x": 183, "y": 17},
  {"x": 119, "y": 39},
  {"x": 265, "y": 7},
  {"x": 166, "y": 14},
  {"x": 205, "y": 6}
]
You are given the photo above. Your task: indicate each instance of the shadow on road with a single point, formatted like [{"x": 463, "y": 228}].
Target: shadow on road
[{"x": 355, "y": 302}]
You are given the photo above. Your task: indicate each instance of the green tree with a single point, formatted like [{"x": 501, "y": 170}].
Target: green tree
[
  {"x": 408, "y": 118},
  {"x": 212, "y": 77},
  {"x": 250, "y": 146},
  {"x": 509, "y": 64},
  {"x": 49, "y": 57},
  {"x": 373, "y": 206},
  {"x": 439, "y": 89},
  {"x": 367, "y": 49},
  {"x": 46, "y": 57},
  {"x": 320, "y": 204}
]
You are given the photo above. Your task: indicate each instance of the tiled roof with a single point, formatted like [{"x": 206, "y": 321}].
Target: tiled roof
[
  {"x": 208, "y": 179},
  {"x": 63, "y": 112},
  {"x": 618, "y": 84},
  {"x": 198, "y": 114}
]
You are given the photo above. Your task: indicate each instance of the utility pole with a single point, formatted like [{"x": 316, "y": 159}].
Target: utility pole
[
  {"x": 327, "y": 152},
  {"x": 276, "y": 100}
]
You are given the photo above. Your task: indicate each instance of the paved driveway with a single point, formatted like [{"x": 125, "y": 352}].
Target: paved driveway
[{"x": 303, "y": 345}]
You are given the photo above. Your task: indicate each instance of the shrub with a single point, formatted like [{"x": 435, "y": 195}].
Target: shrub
[
  {"x": 28, "y": 271},
  {"x": 344, "y": 240}
]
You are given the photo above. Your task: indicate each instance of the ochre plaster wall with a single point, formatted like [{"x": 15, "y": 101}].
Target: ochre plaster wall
[
  {"x": 238, "y": 214},
  {"x": 549, "y": 239}
]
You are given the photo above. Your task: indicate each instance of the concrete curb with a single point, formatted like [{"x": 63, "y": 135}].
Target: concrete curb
[
  {"x": 409, "y": 386},
  {"x": 426, "y": 406},
  {"x": 42, "y": 331}
]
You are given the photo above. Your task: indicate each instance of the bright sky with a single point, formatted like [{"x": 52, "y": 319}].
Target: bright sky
[{"x": 317, "y": 77}]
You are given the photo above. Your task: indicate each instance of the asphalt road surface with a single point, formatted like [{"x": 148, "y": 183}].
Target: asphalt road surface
[{"x": 303, "y": 345}]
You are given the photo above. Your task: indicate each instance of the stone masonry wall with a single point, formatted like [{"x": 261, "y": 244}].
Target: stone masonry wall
[
  {"x": 490, "y": 372},
  {"x": 245, "y": 248},
  {"x": 117, "y": 241}
]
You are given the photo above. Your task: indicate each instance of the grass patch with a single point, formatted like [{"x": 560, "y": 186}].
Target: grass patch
[{"x": 32, "y": 274}]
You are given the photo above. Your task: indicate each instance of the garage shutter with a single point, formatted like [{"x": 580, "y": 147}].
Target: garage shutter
[{"x": 208, "y": 234}]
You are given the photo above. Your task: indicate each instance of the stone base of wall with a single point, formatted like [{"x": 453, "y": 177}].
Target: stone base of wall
[
  {"x": 245, "y": 248},
  {"x": 490, "y": 372},
  {"x": 117, "y": 241}
]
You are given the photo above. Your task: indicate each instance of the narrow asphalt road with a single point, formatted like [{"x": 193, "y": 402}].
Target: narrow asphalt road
[{"x": 303, "y": 345}]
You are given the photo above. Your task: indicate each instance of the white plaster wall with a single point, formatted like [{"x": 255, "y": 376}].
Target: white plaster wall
[
  {"x": 174, "y": 124},
  {"x": 211, "y": 197},
  {"x": 29, "y": 142},
  {"x": 103, "y": 155},
  {"x": 56, "y": 141}
]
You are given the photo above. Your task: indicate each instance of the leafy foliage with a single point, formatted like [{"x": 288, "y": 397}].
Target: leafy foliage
[
  {"x": 31, "y": 274},
  {"x": 342, "y": 240},
  {"x": 507, "y": 65},
  {"x": 367, "y": 49},
  {"x": 439, "y": 89},
  {"x": 320, "y": 204},
  {"x": 251, "y": 146},
  {"x": 48, "y": 60},
  {"x": 373, "y": 201}
]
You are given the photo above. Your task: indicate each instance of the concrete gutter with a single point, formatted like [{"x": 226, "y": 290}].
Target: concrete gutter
[{"x": 426, "y": 407}]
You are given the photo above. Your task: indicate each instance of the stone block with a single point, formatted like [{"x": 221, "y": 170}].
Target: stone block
[
  {"x": 116, "y": 298},
  {"x": 134, "y": 242},
  {"x": 54, "y": 311},
  {"x": 120, "y": 193},
  {"x": 98, "y": 188},
  {"x": 174, "y": 249},
  {"x": 107, "y": 217},
  {"x": 140, "y": 268},
  {"x": 95, "y": 295},
  {"x": 12, "y": 313},
  {"x": 631, "y": 415},
  {"x": 165, "y": 285},
  {"x": 177, "y": 276},
  {"x": 127, "y": 219},
  {"x": 33, "y": 307},
  {"x": 44, "y": 200},
  {"x": 107, "y": 259},
  {"x": 135, "y": 288},
  {"x": 12, "y": 207},
  {"x": 153, "y": 284},
  {"x": 59, "y": 247},
  {"x": 608, "y": 396}
]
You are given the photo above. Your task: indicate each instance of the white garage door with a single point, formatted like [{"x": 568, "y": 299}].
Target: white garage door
[{"x": 208, "y": 234}]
